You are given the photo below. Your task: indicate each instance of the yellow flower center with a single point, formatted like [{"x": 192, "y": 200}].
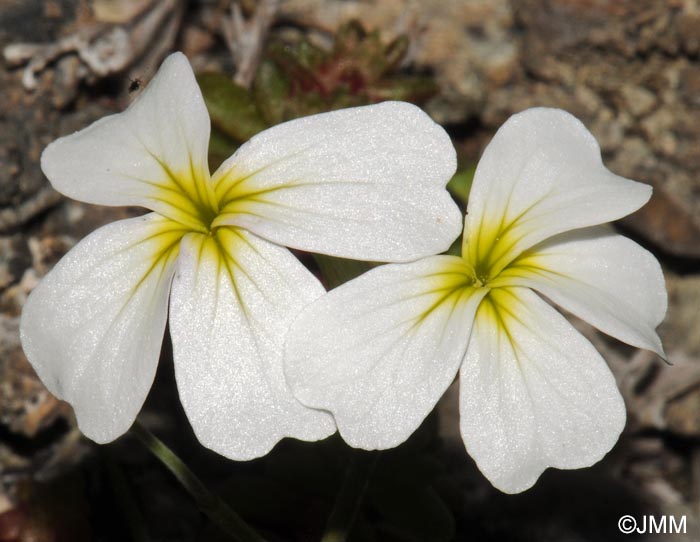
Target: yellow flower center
[
  {"x": 195, "y": 201},
  {"x": 191, "y": 203},
  {"x": 490, "y": 255},
  {"x": 489, "y": 251},
  {"x": 185, "y": 197}
]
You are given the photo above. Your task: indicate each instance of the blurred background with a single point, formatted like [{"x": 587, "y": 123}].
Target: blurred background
[{"x": 629, "y": 69}]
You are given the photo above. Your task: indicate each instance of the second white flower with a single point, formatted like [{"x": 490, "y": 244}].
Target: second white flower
[{"x": 379, "y": 351}]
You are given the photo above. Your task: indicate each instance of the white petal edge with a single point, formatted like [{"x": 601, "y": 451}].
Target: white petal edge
[
  {"x": 366, "y": 183},
  {"x": 380, "y": 350},
  {"x": 139, "y": 156},
  {"x": 534, "y": 393},
  {"x": 542, "y": 174},
  {"x": 228, "y": 319},
  {"x": 93, "y": 328},
  {"x": 603, "y": 278}
]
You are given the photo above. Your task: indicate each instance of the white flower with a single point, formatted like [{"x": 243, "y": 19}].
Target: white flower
[
  {"x": 379, "y": 351},
  {"x": 366, "y": 183}
]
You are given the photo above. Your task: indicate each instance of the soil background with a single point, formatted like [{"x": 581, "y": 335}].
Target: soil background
[{"x": 629, "y": 69}]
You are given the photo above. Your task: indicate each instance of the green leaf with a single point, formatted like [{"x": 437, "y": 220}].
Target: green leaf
[
  {"x": 407, "y": 88},
  {"x": 231, "y": 107},
  {"x": 395, "y": 52},
  {"x": 271, "y": 90},
  {"x": 310, "y": 56},
  {"x": 221, "y": 147},
  {"x": 336, "y": 271},
  {"x": 300, "y": 79},
  {"x": 348, "y": 37},
  {"x": 456, "y": 247},
  {"x": 460, "y": 185}
]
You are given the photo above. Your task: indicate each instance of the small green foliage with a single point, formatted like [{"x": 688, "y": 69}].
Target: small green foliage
[
  {"x": 460, "y": 185},
  {"x": 231, "y": 107},
  {"x": 221, "y": 147},
  {"x": 302, "y": 79},
  {"x": 270, "y": 90},
  {"x": 235, "y": 117},
  {"x": 336, "y": 271}
]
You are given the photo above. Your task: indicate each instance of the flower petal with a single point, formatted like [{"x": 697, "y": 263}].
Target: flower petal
[
  {"x": 93, "y": 328},
  {"x": 233, "y": 299},
  {"x": 534, "y": 393},
  {"x": 541, "y": 175},
  {"x": 380, "y": 350},
  {"x": 153, "y": 155},
  {"x": 603, "y": 278},
  {"x": 365, "y": 183}
]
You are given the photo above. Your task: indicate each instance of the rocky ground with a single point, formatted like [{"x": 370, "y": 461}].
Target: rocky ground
[{"x": 628, "y": 69}]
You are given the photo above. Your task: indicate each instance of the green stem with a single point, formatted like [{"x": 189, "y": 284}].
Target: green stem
[
  {"x": 209, "y": 503},
  {"x": 349, "y": 499}
]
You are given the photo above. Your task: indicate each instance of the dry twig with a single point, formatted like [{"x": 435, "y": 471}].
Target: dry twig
[
  {"x": 246, "y": 38},
  {"x": 104, "y": 49}
]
